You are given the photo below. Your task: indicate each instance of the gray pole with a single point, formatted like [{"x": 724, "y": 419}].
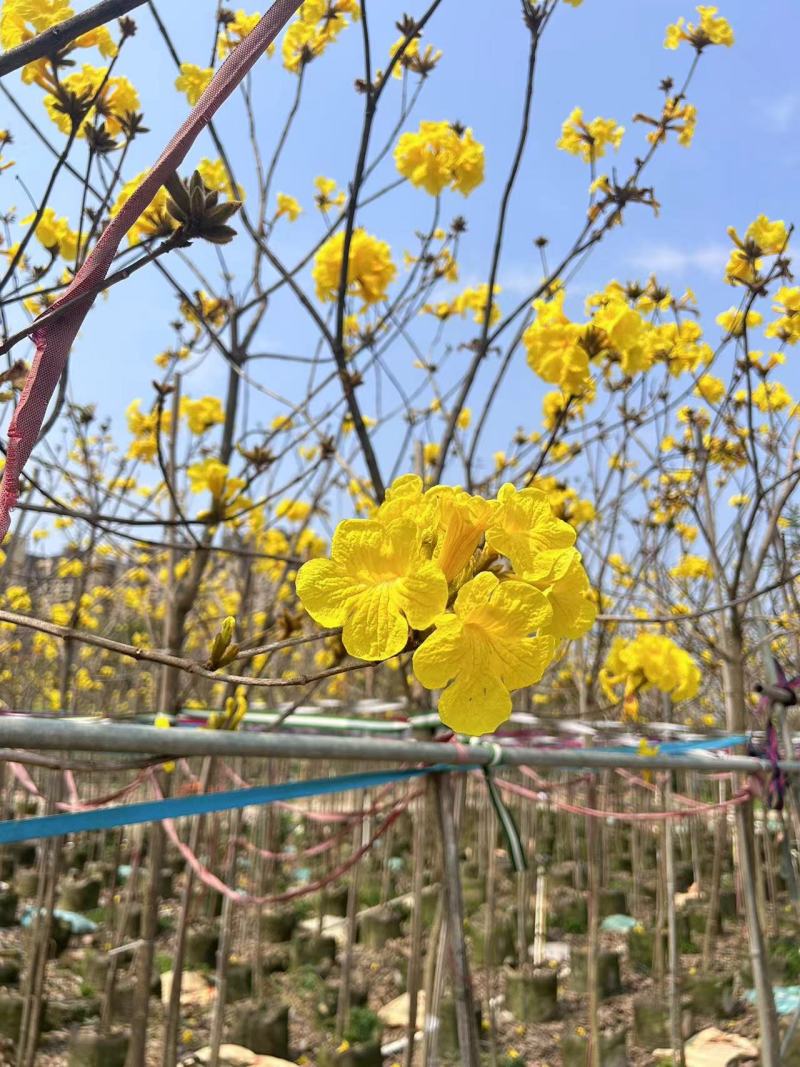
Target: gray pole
[{"x": 105, "y": 736}]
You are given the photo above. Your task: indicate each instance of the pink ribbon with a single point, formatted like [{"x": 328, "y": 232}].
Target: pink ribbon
[
  {"x": 627, "y": 816},
  {"x": 209, "y": 879},
  {"x": 54, "y": 339}
]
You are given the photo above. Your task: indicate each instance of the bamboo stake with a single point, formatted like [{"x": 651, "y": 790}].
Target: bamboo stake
[
  {"x": 169, "y": 1054},
  {"x": 224, "y": 947},
  {"x": 462, "y": 983},
  {"x": 593, "y": 943},
  {"x": 415, "y": 957},
  {"x": 673, "y": 980},
  {"x": 343, "y": 1006}
]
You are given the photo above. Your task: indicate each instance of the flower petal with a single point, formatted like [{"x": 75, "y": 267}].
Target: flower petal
[
  {"x": 439, "y": 658},
  {"x": 522, "y": 663},
  {"x": 573, "y": 611},
  {"x": 475, "y": 704},
  {"x": 422, "y": 595},
  {"x": 374, "y": 629},
  {"x": 325, "y": 592}
]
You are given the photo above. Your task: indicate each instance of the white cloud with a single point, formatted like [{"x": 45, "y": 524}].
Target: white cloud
[
  {"x": 782, "y": 111},
  {"x": 672, "y": 259}
]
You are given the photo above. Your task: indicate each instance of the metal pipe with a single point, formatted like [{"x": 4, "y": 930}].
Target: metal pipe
[{"x": 108, "y": 736}]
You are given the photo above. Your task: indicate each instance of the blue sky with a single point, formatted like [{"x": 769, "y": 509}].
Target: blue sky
[{"x": 606, "y": 57}]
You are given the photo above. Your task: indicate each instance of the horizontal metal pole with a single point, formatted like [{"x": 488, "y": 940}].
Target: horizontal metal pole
[{"x": 106, "y": 736}]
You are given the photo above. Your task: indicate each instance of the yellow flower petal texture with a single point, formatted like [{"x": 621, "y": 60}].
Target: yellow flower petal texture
[
  {"x": 524, "y": 529},
  {"x": 483, "y": 650},
  {"x": 376, "y": 585}
]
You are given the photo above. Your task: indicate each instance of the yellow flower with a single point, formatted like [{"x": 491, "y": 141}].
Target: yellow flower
[
  {"x": 370, "y": 269},
  {"x": 208, "y": 475},
  {"x": 771, "y": 396},
  {"x": 162, "y": 722},
  {"x": 287, "y": 205},
  {"x": 692, "y": 567},
  {"x": 712, "y": 29},
  {"x": 69, "y": 568},
  {"x": 117, "y": 97},
  {"x": 216, "y": 178},
  {"x": 22, "y": 19},
  {"x": 293, "y": 510},
  {"x": 55, "y": 234},
  {"x": 318, "y": 24},
  {"x": 326, "y": 195},
  {"x": 431, "y": 451},
  {"x": 787, "y": 326},
  {"x": 769, "y": 235},
  {"x": 483, "y": 650},
  {"x": 376, "y": 584},
  {"x": 412, "y": 59},
  {"x": 710, "y": 389},
  {"x": 460, "y": 525},
  {"x": 202, "y": 414},
  {"x": 588, "y": 139},
  {"x": 155, "y": 220},
  {"x": 440, "y": 156},
  {"x": 570, "y": 597},
  {"x": 553, "y": 348},
  {"x": 475, "y": 299},
  {"x": 524, "y": 529},
  {"x": 193, "y": 80},
  {"x": 649, "y": 660},
  {"x": 733, "y": 322},
  {"x": 234, "y": 30}
]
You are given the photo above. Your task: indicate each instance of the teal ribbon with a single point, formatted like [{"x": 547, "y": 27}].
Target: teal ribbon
[{"x": 108, "y": 818}]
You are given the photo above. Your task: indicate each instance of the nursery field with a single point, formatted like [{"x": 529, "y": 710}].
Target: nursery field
[{"x": 302, "y": 931}]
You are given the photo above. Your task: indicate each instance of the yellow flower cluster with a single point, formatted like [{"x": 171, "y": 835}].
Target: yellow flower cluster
[
  {"x": 370, "y": 269},
  {"x": 472, "y": 299},
  {"x": 711, "y": 29},
  {"x": 500, "y": 583},
  {"x": 216, "y": 178},
  {"x": 763, "y": 237},
  {"x": 55, "y": 234},
  {"x": 202, "y": 414},
  {"x": 420, "y": 62},
  {"x": 155, "y": 220},
  {"x": 234, "y": 30},
  {"x": 692, "y": 568},
  {"x": 144, "y": 427},
  {"x": 618, "y": 335},
  {"x": 440, "y": 156},
  {"x": 288, "y": 206},
  {"x": 648, "y": 661},
  {"x": 588, "y": 139},
  {"x": 193, "y": 80},
  {"x": 787, "y": 326},
  {"x": 318, "y": 24},
  {"x": 116, "y": 97}
]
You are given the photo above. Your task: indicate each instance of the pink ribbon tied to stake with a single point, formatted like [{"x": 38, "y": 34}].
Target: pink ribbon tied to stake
[{"x": 54, "y": 339}]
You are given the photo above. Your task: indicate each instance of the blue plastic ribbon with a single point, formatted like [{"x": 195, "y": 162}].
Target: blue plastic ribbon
[
  {"x": 201, "y": 804},
  {"x": 677, "y": 748}
]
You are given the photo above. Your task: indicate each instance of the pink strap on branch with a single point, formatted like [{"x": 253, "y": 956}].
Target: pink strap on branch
[
  {"x": 24, "y": 778},
  {"x": 54, "y": 340},
  {"x": 323, "y": 817},
  {"x": 209, "y": 879},
  {"x": 627, "y": 816}
]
